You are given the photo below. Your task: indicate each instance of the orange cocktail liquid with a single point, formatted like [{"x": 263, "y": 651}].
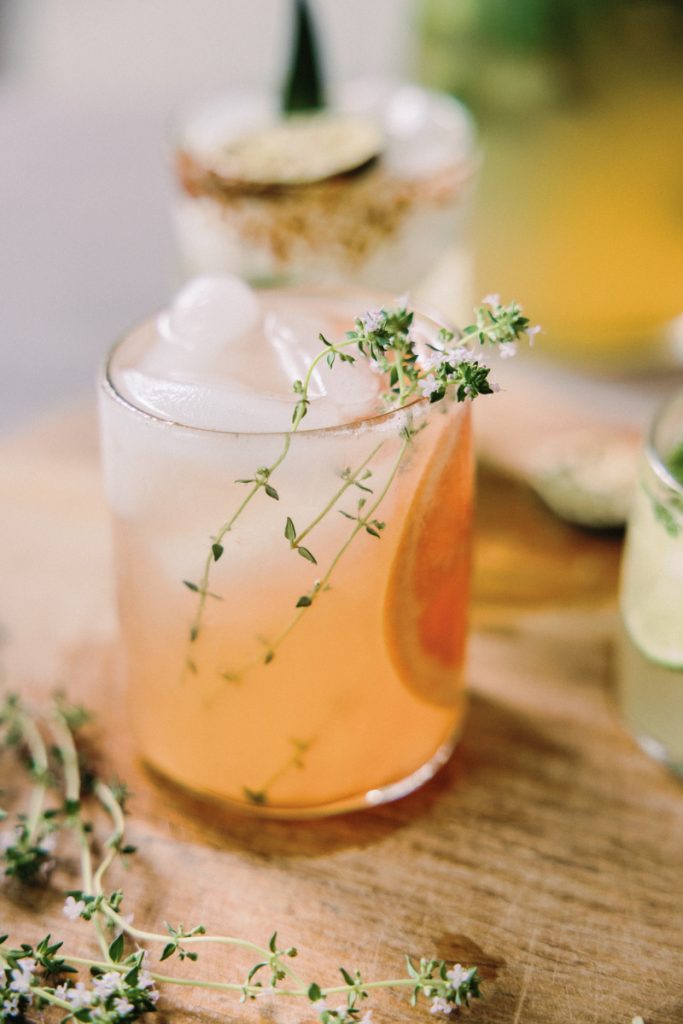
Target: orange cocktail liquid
[{"x": 362, "y": 699}]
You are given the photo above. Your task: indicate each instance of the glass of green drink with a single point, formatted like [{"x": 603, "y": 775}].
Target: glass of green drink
[{"x": 651, "y": 644}]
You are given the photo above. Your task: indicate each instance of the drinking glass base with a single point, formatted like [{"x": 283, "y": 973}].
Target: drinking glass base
[
  {"x": 386, "y": 793},
  {"x": 656, "y": 750}
]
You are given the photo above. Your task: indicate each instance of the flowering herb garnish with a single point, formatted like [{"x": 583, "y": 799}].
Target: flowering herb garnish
[
  {"x": 452, "y": 367},
  {"x": 122, "y": 983}
]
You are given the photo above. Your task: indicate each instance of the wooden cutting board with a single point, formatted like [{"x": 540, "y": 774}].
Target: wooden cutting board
[{"x": 548, "y": 852}]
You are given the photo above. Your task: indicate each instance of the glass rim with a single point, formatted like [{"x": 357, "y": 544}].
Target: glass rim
[
  {"x": 652, "y": 449},
  {"x": 185, "y": 114},
  {"x": 365, "y": 423}
]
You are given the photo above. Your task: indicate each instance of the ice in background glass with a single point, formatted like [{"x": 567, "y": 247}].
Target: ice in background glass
[
  {"x": 373, "y": 190},
  {"x": 651, "y": 648},
  {"x": 362, "y": 698}
]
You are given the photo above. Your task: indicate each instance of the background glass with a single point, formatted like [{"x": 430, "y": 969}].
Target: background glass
[
  {"x": 580, "y": 209},
  {"x": 384, "y": 224},
  {"x": 651, "y": 646}
]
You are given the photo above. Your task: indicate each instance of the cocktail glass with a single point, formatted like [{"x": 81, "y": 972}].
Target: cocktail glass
[
  {"x": 384, "y": 223},
  {"x": 291, "y": 687},
  {"x": 651, "y": 647}
]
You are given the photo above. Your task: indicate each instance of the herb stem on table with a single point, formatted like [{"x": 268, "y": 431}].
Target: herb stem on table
[{"x": 122, "y": 985}]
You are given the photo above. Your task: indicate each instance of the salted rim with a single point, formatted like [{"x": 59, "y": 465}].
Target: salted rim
[{"x": 379, "y": 301}]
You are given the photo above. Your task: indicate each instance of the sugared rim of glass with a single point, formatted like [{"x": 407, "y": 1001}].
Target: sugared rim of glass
[
  {"x": 373, "y": 300},
  {"x": 653, "y": 446}
]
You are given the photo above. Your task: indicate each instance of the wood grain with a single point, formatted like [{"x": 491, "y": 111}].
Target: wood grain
[{"x": 548, "y": 851}]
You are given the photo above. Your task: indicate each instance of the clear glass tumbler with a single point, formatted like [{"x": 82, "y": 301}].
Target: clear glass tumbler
[
  {"x": 384, "y": 223},
  {"x": 651, "y": 645},
  {"x": 292, "y": 688}
]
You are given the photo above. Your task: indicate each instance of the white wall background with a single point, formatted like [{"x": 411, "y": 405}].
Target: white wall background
[
  {"x": 167, "y": 47},
  {"x": 86, "y": 89}
]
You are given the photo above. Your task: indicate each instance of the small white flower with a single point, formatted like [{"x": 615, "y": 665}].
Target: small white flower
[
  {"x": 460, "y": 354},
  {"x": 479, "y": 358},
  {"x": 457, "y": 975},
  {"x": 434, "y": 358},
  {"x": 532, "y": 332},
  {"x": 319, "y": 1005},
  {"x": 123, "y": 1006},
  {"x": 61, "y": 991},
  {"x": 428, "y": 385},
  {"x": 10, "y": 1007},
  {"x": 375, "y": 366},
  {"x": 22, "y": 975},
  {"x": 73, "y": 908},
  {"x": 440, "y": 1005},
  {"x": 79, "y": 996},
  {"x": 507, "y": 349},
  {"x": 9, "y": 837},
  {"x": 493, "y": 299},
  {"x": 146, "y": 982},
  {"x": 21, "y": 982},
  {"x": 106, "y": 984},
  {"x": 372, "y": 320}
]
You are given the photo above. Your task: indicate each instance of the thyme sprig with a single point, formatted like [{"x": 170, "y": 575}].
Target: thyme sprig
[
  {"x": 122, "y": 985},
  {"x": 259, "y": 797},
  {"x": 453, "y": 365},
  {"x": 28, "y": 849}
]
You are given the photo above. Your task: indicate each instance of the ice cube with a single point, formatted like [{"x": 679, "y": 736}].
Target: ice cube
[
  {"x": 295, "y": 350},
  {"x": 354, "y": 388},
  {"x": 219, "y": 360},
  {"x": 208, "y": 315},
  {"x": 218, "y": 406},
  {"x": 427, "y": 132},
  {"x": 350, "y": 390}
]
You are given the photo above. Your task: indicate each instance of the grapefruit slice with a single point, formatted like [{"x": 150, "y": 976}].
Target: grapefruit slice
[{"x": 425, "y": 611}]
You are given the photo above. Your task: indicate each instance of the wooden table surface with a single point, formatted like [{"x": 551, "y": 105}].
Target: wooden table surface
[{"x": 548, "y": 851}]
